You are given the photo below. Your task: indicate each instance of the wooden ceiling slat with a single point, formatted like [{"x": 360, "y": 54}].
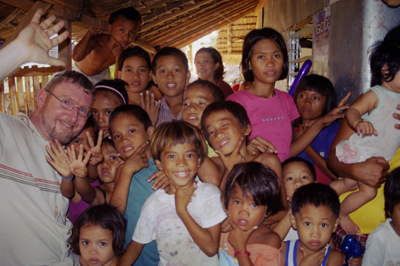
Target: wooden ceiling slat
[
  {"x": 25, "y": 5},
  {"x": 185, "y": 40},
  {"x": 194, "y": 22},
  {"x": 168, "y": 8},
  {"x": 193, "y": 19},
  {"x": 10, "y": 17},
  {"x": 73, "y": 4},
  {"x": 173, "y": 15}
]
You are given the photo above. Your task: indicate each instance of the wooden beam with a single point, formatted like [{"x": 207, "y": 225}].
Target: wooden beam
[
  {"x": 25, "y": 5},
  {"x": 168, "y": 8},
  {"x": 73, "y": 4},
  {"x": 9, "y": 18},
  {"x": 302, "y": 24},
  {"x": 207, "y": 29},
  {"x": 145, "y": 47},
  {"x": 197, "y": 23},
  {"x": 37, "y": 71},
  {"x": 194, "y": 20},
  {"x": 27, "y": 19},
  {"x": 175, "y": 14},
  {"x": 66, "y": 13},
  {"x": 260, "y": 5},
  {"x": 65, "y": 48}
]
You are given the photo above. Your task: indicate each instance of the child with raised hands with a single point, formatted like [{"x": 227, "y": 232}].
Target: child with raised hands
[
  {"x": 185, "y": 218},
  {"x": 251, "y": 192},
  {"x": 97, "y": 236},
  {"x": 315, "y": 216}
]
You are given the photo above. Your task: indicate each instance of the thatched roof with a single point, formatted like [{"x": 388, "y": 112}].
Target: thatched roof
[
  {"x": 230, "y": 38},
  {"x": 165, "y": 23}
]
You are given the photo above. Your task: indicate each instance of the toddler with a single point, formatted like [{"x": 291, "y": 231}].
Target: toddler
[
  {"x": 384, "y": 242},
  {"x": 97, "y": 236},
  {"x": 185, "y": 218},
  {"x": 315, "y": 216},
  {"x": 251, "y": 192},
  {"x": 371, "y": 117}
]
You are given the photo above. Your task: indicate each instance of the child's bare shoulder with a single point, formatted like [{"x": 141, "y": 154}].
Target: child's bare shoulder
[
  {"x": 268, "y": 159},
  {"x": 266, "y": 236},
  {"x": 335, "y": 258}
]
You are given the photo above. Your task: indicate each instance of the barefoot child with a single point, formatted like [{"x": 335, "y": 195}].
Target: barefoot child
[
  {"x": 131, "y": 130},
  {"x": 250, "y": 242},
  {"x": 185, "y": 218},
  {"x": 384, "y": 242},
  {"x": 134, "y": 69},
  {"x": 376, "y": 135},
  {"x": 171, "y": 74},
  {"x": 315, "y": 215},
  {"x": 97, "y": 236},
  {"x": 109, "y": 95},
  {"x": 96, "y": 51}
]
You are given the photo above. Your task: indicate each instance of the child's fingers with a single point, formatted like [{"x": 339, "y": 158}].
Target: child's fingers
[
  {"x": 87, "y": 157},
  {"x": 100, "y": 138},
  {"x": 142, "y": 104},
  {"x": 50, "y": 152},
  {"x": 50, "y": 161},
  {"x": 80, "y": 153},
  {"x": 90, "y": 140},
  {"x": 142, "y": 147},
  {"x": 238, "y": 145},
  {"x": 344, "y": 99}
]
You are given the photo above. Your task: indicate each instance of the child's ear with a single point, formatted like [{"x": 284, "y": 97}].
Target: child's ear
[
  {"x": 198, "y": 163},
  {"x": 109, "y": 27},
  {"x": 119, "y": 74},
  {"x": 216, "y": 66},
  {"x": 248, "y": 130},
  {"x": 159, "y": 165},
  {"x": 385, "y": 70},
  {"x": 249, "y": 64},
  {"x": 293, "y": 221},
  {"x": 336, "y": 225},
  {"x": 41, "y": 98},
  {"x": 153, "y": 77},
  {"x": 188, "y": 75},
  {"x": 150, "y": 131}
]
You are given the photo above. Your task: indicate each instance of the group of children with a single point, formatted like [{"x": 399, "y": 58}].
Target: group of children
[{"x": 224, "y": 185}]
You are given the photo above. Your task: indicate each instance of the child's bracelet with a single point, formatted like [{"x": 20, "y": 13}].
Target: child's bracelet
[
  {"x": 241, "y": 252},
  {"x": 69, "y": 179}
]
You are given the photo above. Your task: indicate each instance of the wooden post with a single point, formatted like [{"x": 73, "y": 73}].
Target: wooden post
[
  {"x": 20, "y": 96},
  {"x": 2, "y": 97},
  {"x": 36, "y": 88},
  {"x": 229, "y": 40},
  {"x": 28, "y": 97},
  {"x": 65, "y": 48},
  {"x": 45, "y": 80},
  {"x": 12, "y": 95},
  {"x": 190, "y": 58}
]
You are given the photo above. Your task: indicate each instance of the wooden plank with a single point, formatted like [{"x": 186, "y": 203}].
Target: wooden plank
[
  {"x": 25, "y": 5},
  {"x": 2, "y": 97},
  {"x": 302, "y": 24},
  {"x": 36, "y": 87},
  {"x": 207, "y": 29},
  {"x": 65, "y": 48},
  {"x": 175, "y": 14},
  {"x": 37, "y": 71},
  {"x": 260, "y": 5},
  {"x": 28, "y": 97},
  {"x": 196, "y": 23},
  {"x": 9, "y": 18},
  {"x": 210, "y": 23},
  {"x": 66, "y": 13},
  {"x": 20, "y": 96},
  {"x": 12, "y": 95},
  {"x": 45, "y": 80},
  {"x": 146, "y": 47},
  {"x": 194, "y": 19},
  {"x": 27, "y": 19},
  {"x": 72, "y": 4},
  {"x": 168, "y": 8}
]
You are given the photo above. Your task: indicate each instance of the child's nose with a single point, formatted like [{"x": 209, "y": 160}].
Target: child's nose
[
  {"x": 93, "y": 251},
  {"x": 298, "y": 184},
  {"x": 243, "y": 212}
]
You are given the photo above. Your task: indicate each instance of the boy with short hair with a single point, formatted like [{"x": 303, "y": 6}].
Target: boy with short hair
[
  {"x": 315, "y": 215},
  {"x": 96, "y": 51},
  {"x": 171, "y": 74},
  {"x": 185, "y": 219},
  {"x": 131, "y": 130}
]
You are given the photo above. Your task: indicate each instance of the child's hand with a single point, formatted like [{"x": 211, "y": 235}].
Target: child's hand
[
  {"x": 161, "y": 181},
  {"x": 150, "y": 106},
  {"x": 116, "y": 48},
  {"x": 93, "y": 32},
  {"x": 365, "y": 128},
  {"x": 355, "y": 261},
  {"x": 78, "y": 165},
  {"x": 226, "y": 226},
  {"x": 183, "y": 196},
  {"x": 260, "y": 145},
  {"x": 138, "y": 159},
  {"x": 238, "y": 238},
  {"x": 97, "y": 156},
  {"x": 234, "y": 158},
  {"x": 315, "y": 259},
  {"x": 58, "y": 158}
]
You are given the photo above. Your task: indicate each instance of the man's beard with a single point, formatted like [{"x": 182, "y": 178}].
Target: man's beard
[{"x": 62, "y": 137}]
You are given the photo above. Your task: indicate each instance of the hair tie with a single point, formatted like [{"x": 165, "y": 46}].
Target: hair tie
[{"x": 111, "y": 88}]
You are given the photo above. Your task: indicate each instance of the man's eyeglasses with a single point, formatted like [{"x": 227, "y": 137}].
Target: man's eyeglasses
[{"x": 68, "y": 105}]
